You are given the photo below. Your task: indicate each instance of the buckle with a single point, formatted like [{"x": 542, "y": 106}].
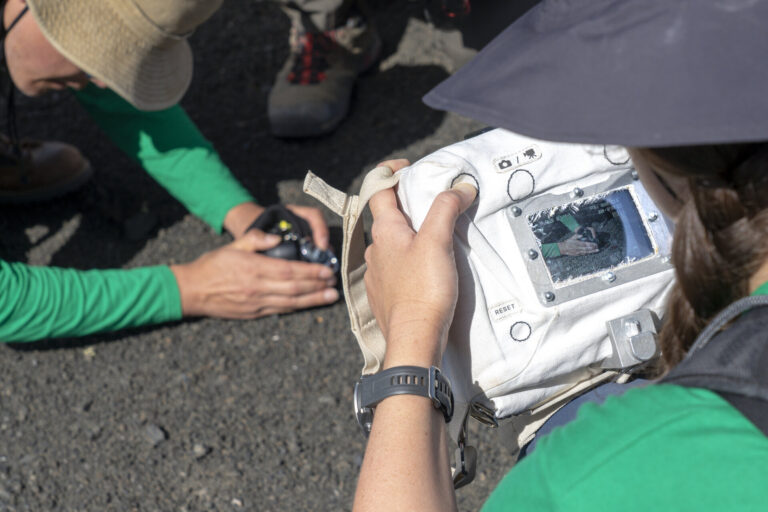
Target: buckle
[
  {"x": 466, "y": 465},
  {"x": 483, "y": 414},
  {"x": 465, "y": 458},
  {"x": 440, "y": 393}
]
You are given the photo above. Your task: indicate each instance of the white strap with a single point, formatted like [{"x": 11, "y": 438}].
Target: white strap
[{"x": 350, "y": 208}]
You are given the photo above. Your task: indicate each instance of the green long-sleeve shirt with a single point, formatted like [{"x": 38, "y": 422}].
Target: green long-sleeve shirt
[
  {"x": 38, "y": 303},
  {"x": 172, "y": 150}
]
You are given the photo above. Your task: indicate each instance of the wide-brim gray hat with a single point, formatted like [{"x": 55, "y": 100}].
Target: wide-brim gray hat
[{"x": 634, "y": 73}]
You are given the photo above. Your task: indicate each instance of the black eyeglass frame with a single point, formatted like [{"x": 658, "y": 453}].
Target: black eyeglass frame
[
  {"x": 10, "y": 128},
  {"x": 13, "y": 23}
]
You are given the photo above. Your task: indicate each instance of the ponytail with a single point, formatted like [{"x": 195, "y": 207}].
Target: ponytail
[{"x": 721, "y": 234}]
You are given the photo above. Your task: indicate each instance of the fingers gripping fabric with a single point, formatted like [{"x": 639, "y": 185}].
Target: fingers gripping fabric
[
  {"x": 520, "y": 346},
  {"x": 350, "y": 208},
  {"x": 510, "y": 349}
]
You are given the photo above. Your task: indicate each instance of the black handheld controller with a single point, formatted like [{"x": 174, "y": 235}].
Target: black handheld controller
[{"x": 297, "y": 237}]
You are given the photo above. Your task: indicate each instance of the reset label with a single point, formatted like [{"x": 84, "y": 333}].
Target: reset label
[{"x": 502, "y": 310}]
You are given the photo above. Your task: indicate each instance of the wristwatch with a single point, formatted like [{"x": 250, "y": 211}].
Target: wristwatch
[{"x": 401, "y": 380}]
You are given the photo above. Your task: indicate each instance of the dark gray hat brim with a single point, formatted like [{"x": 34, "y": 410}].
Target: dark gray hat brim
[{"x": 637, "y": 73}]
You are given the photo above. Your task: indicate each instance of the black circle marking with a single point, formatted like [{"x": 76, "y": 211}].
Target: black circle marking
[
  {"x": 520, "y": 173},
  {"x": 523, "y": 334},
  {"x": 477, "y": 184},
  {"x": 605, "y": 154}
]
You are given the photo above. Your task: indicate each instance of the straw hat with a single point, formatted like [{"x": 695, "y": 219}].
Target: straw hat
[
  {"x": 137, "y": 47},
  {"x": 640, "y": 73}
]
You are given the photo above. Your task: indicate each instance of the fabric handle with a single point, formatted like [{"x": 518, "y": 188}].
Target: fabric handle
[{"x": 350, "y": 208}]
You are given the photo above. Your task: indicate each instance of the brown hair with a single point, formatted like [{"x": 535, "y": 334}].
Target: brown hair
[{"x": 721, "y": 234}]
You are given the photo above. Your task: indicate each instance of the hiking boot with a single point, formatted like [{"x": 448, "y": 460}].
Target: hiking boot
[
  {"x": 38, "y": 170},
  {"x": 311, "y": 93}
]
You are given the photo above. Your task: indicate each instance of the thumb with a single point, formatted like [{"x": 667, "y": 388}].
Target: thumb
[
  {"x": 256, "y": 240},
  {"x": 446, "y": 208}
]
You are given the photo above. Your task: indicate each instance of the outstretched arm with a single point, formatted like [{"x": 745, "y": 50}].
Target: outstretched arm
[
  {"x": 412, "y": 288},
  {"x": 173, "y": 151},
  {"x": 46, "y": 302},
  {"x": 231, "y": 282}
]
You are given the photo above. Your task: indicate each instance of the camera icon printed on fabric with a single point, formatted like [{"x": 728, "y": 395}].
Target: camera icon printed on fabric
[{"x": 517, "y": 159}]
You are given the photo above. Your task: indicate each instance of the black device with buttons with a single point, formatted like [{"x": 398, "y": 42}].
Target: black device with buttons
[{"x": 296, "y": 237}]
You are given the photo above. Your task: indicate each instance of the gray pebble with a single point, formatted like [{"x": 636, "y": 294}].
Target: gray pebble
[
  {"x": 5, "y": 496},
  {"x": 200, "y": 450},
  {"x": 155, "y": 434}
]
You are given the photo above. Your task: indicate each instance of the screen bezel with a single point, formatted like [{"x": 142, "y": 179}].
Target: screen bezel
[{"x": 552, "y": 293}]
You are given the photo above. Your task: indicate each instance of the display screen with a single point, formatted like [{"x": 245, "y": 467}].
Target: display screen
[{"x": 591, "y": 235}]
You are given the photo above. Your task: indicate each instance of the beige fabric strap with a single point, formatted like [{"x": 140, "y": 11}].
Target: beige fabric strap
[
  {"x": 519, "y": 430},
  {"x": 350, "y": 208}
]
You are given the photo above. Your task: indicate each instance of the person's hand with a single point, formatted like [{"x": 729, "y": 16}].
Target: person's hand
[
  {"x": 411, "y": 280},
  {"x": 240, "y": 217},
  {"x": 575, "y": 247},
  {"x": 235, "y": 282}
]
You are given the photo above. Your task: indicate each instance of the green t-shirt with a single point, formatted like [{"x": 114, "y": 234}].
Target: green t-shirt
[
  {"x": 38, "y": 303},
  {"x": 662, "y": 447}
]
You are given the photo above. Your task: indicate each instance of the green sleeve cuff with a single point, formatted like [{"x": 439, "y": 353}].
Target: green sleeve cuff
[
  {"x": 168, "y": 145},
  {"x": 168, "y": 288},
  {"x": 550, "y": 250},
  {"x": 570, "y": 222}
]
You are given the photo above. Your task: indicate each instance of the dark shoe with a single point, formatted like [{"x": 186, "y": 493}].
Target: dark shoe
[
  {"x": 311, "y": 93},
  {"x": 40, "y": 170}
]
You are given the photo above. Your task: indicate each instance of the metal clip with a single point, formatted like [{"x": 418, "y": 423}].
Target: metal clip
[
  {"x": 465, "y": 458},
  {"x": 634, "y": 338},
  {"x": 483, "y": 414}
]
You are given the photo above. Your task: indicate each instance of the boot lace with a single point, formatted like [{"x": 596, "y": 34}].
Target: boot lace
[{"x": 311, "y": 59}]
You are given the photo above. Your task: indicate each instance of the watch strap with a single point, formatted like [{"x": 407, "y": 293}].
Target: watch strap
[{"x": 404, "y": 380}]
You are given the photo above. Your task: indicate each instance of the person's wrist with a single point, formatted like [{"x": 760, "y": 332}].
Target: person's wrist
[
  {"x": 184, "y": 280},
  {"x": 416, "y": 336},
  {"x": 240, "y": 217},
  {"x": 413, "y": 346}
]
